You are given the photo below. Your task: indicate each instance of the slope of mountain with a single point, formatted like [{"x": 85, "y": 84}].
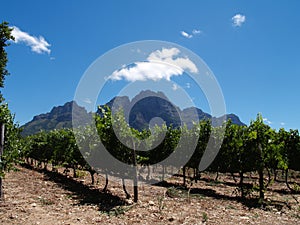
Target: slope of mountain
[
  {"x": 59, "y": 117},
  {"x": 148, "y": 104},
  {"x": 145, "y": 109},
  {"x": 193, "y": 114},
  {"x": 139, "y": 113}
]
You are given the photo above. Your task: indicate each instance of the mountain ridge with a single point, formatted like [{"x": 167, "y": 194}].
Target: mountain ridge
[{"x": 139, "y": 113}]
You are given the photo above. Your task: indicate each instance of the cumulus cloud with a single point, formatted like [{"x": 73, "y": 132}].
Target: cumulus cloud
[
  {"x": 160, "y": 64},
  {"x": 185, "y": 34},
  {"x": 142, "y": 71},
  {"x": 37, "y": 44},
  {"x": 190, "y": 35},
  {"x": 238, "y": 20}
]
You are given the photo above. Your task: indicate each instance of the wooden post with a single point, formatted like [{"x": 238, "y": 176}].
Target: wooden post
[
  {"x": 261, "y": 176},
  {"x": 135, "y": 178},
  {"x": 1, "y": 153}
]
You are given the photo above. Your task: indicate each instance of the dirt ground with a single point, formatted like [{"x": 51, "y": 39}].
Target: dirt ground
[{"x": 34, "y": 196}]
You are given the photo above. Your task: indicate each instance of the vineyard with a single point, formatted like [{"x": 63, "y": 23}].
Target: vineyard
[
  {"x": 256, "y": 149},
  {"x": 61, "y": 186},
  {"x": 108, "y": 172}
]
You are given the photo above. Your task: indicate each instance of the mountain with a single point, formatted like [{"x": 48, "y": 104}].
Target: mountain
[
  {"x": 59, "y": 117},
  {"x": 147, "y": 105},
  {"x": 142, "y": 110},
  {"x": 191, "y": 114}
]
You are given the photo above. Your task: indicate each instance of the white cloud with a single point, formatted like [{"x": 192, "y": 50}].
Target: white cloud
[
  {"x": 238, "y": 20},
  {"x": 163, "y": 54},
  {"x": 169, "y": 56},
  {"x": 37, "y": 44},
  {"x": 190, "y": 35},
  {"x": 282, "y": 123},
  {"x": 175, "y": 87},
  {"x": 266, "y": 120},
  {"x": 160, "y": 64},
  {"x": 185, "y": 34},
  {"x": 195, "y": 31},
  {"x": 142, "y": 71}
]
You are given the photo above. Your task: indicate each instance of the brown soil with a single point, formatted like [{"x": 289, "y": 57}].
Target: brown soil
[{"x": 34, "y": 196}]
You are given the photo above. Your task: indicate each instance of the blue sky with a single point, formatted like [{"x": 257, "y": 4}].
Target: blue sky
[{"x": 252, "y": 47}]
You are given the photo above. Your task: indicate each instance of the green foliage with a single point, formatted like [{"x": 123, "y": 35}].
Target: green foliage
[
  {"x": 5, "y": 36},
  {"x": 12, "y": 142},
  {"x": 11, "y": 135},
  {"x": 204, "y": 217},
  {"x": 251, "y": 148},
  {"x": 57, "y": 147},
  {"x": 291, "y": 148},
  {"x": 202, "y": 132}
]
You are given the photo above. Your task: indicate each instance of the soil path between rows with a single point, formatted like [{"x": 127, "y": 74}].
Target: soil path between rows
[{"x": 34, "y": 196}]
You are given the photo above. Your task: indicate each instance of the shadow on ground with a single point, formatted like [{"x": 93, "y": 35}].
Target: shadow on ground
[
  {"x": 81, "y": 192},
  {"x": 178, "y": 191}
]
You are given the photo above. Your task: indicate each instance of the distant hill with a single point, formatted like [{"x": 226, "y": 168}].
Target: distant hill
[
  {"x": 144, "y": 107},
  {"x": 59, "y": 117}
]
